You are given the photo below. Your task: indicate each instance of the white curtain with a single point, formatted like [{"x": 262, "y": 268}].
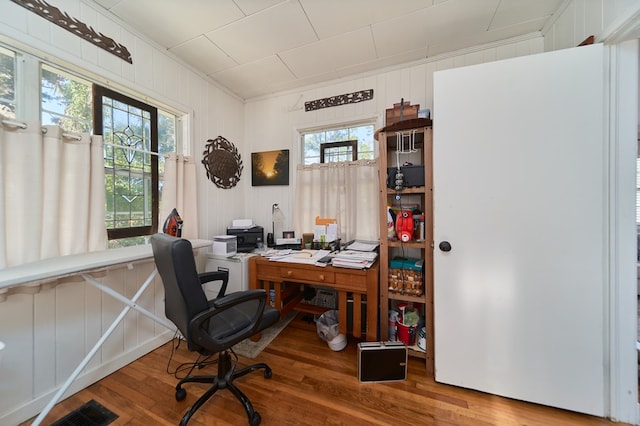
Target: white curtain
[
  {"x": 52, "y": 196},
  {"x": 179, "y": 191},
  {"x": 346, "y": 191}
]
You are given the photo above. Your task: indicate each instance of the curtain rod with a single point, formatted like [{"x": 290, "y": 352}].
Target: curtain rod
[
  {"x": 23, "y": 125},
  {"x": 78, "y": 137}
]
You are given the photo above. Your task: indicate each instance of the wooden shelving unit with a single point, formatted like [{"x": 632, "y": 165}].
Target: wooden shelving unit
[{"x": 419, "y": 133}]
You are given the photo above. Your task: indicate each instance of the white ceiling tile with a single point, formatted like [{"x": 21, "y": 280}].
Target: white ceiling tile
[
  {"x": 331, "y": 17},
  {"x": 202, "y": 54},
  {"x": 107, "y": 4},
  {"x": 519, "y": 11},
  {"x": 256, "y": 47},
  {"x": 250, "y": 7},
  {"x": 255, "y": 76},
  {"x": 330, "y": 54},
  {"x": 265, "y": 33},
  {"x": 306, "y": 81},
  {"x": 389, "y": 61},
  {"x": 454, "y": 44},
  {"x": 171, "y": 22},
  {"x": 451, "y": 20},
  {"x": 401, "y": 34}
]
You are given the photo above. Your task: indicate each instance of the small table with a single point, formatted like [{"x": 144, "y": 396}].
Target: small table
[{"x": 285, "y": 279}]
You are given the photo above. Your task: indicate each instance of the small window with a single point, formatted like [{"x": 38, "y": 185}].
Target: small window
[
  {"x": 7, "y": 83},
  {"x": 338, "y": 151},
  {"x": 314, "y": 140},
  {"x": 129, "y": 129}
]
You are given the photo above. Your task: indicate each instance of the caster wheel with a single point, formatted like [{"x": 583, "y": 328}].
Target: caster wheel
[
  {"x": 180, "y": 394},
  {"x": 256, "y": 419},
  {"x": 268, "y": 373}
]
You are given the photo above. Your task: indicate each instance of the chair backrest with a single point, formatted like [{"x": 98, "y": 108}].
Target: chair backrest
[{"x": 184, "y": 296}]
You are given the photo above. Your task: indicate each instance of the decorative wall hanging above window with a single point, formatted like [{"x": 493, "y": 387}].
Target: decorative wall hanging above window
[
  {"x": 222, "y": 163},
  {"x": 347, "y": 98},
  {"x": 82, "y": 30}
]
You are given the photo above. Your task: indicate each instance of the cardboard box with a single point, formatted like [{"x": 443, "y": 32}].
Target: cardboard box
[{"x": 394, "y": 115}]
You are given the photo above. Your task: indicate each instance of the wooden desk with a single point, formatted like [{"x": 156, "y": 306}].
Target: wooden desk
[{"x": 285, "y": 278}]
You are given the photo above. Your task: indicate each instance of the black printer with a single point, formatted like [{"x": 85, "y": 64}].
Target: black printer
[{"x": 248, "y": 238}]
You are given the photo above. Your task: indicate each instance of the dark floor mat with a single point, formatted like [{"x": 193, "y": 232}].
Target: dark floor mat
[{"x": 89, "y": 414}]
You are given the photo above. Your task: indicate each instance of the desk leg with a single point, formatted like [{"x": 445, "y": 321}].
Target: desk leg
[
  {"x": 357, "y": 315},
  {"x": 342, "y": 312},
  {"x": 372, "y": 305},
  {"x": 130, "y": 304}
]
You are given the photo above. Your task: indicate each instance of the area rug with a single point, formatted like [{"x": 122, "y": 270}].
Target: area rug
[{"x": 251, "y": 349}]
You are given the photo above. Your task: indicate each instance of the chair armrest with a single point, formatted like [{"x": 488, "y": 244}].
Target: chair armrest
[
  {"x": 223, "y": 276},
  {"x": 239, "y": 297}
]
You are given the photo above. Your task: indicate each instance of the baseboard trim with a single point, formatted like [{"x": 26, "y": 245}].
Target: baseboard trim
[{"x": 85, "y": 379}]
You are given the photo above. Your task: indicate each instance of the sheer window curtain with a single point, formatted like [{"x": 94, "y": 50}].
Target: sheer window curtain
[
  {"x": 347, "y": 191},
  {"x": 52, "y": 195},
  {"x": 179, "y": 191}
]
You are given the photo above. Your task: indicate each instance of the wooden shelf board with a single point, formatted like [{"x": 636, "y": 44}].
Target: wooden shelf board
[
  {"x": 310, "y": 309},
  {"x": 406, "y": 298}
]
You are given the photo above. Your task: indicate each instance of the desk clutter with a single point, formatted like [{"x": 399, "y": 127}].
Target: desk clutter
[
  {"x": 292, "y": 282},
  {"x": 353, "y": 259}
]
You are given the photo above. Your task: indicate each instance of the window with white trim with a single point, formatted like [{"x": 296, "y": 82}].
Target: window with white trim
[
  {"x": 67, "y": 99},
  {"x": 313, "y": 141}
]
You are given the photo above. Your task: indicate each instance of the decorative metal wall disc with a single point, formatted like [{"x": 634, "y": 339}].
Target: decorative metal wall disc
[{"x": 222, "y": 162}]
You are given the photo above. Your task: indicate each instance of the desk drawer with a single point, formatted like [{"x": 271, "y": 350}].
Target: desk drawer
[
  {"x": 318, "y": 276},
  {"x": 269, "y": 272},
  {"x": 351, "y": 282}
]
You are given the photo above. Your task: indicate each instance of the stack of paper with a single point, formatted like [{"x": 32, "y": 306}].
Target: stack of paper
[
  {"x": 274, "y": 254},
  {"x": 354, "y": 259},
  {"x": 361, "y": 245}
]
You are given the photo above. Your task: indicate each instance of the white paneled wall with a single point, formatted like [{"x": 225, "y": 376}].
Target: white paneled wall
[
  {"x": 48, "y": 332},
  {"x": 155, "y": 75},
  {"x": 273, "y": 123},
  {"x": 583, "y": 18}
]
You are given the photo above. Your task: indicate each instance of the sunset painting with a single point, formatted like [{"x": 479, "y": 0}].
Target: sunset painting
[{"x": 270, "y": 168}]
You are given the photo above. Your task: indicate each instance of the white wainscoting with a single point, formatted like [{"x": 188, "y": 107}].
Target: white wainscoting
[{"x": 49, "y": 331}]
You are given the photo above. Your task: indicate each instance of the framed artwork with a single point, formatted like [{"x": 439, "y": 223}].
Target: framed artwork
[{"x": 270, "y": 168}]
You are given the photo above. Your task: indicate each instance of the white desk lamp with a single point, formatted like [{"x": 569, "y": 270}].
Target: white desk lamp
[{"x": 276, "y": 217}]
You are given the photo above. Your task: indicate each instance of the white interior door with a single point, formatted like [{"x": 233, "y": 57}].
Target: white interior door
[{"x": 520, "y": 193}]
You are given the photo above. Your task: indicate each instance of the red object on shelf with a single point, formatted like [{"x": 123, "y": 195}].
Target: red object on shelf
[
  {"x": 407, "y": 334},
  {"x": 404, "y": 226}
]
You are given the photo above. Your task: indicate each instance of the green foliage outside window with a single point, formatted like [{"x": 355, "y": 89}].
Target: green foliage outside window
[
  {"x": 7, "y": 83},
  {"x": 66, "y": 101}
]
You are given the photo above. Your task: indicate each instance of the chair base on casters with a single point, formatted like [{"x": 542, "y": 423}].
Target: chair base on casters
[{"x": 224, "y": 379}]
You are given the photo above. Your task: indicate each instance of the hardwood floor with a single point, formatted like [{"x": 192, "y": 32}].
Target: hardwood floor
[{"x": 311, "y": 385}]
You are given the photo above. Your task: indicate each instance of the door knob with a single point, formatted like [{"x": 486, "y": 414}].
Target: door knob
[{"x": 445, "y": 246}]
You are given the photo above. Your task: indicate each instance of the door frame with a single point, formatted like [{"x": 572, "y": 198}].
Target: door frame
[{"x": 622, "y": 125}]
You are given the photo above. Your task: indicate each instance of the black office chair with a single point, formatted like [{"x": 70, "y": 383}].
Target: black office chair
[{"x": 210, "y": 326}]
